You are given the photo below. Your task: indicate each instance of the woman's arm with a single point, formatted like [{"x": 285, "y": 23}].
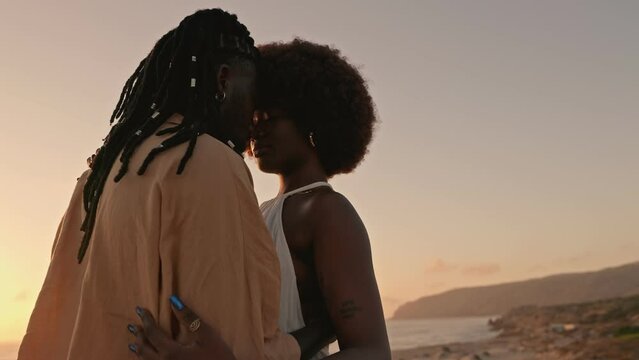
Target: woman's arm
[
  {"x": 347, "y": 279},
  {"x": 314, "y": 337},
  {"x": 205, "y": 342},
  {"x": 199, "y": 341}
]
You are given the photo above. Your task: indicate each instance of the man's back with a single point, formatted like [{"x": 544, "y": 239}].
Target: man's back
[{"x": 198, "y": 234}]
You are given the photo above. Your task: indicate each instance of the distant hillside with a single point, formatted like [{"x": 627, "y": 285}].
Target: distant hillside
[
  {"x": 552, "y": 290},
  {"x": 604, "y": 329}
]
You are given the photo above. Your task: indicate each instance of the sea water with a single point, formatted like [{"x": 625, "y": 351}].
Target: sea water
[{"x": 408, "y": 334}]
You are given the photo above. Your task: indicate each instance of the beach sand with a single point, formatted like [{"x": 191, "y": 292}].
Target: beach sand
[
  {"x": 514, "y": 348},
  {"x": 494, "y": 349},
  {"x": 601, "y": 330}
]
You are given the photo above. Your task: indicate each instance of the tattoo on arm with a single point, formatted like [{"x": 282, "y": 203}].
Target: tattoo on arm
[{"x": 348, "y": 309}]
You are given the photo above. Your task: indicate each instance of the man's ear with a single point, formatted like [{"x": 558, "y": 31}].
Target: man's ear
[{"x": 223, "y": 75}]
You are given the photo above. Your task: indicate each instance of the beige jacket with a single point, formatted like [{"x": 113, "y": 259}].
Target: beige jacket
[{"x": 199, "y": 235}]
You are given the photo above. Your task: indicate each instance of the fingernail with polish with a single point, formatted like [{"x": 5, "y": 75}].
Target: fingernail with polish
[
  {"x": 133, "y": 348},
  {"x": 138, "y": 310},
  {"x": 177, "y": 303},
  {"x": 131, "y": 329}
]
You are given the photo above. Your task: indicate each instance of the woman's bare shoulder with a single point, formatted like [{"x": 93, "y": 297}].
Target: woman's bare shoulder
[{"x": 331, "y": 212}]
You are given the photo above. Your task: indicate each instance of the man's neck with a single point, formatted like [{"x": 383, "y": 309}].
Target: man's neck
[{"x": 310, "y": 172}]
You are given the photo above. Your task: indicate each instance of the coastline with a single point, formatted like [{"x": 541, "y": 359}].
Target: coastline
[
  {"x": 603, "y": 330},
  {"x": 499, "y": 348}
]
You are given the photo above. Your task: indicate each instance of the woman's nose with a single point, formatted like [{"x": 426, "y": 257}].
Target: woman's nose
[{"x": 257, "y": 131}]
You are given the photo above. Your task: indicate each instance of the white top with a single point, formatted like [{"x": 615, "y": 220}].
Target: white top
[{"x": 291, "y": 318}]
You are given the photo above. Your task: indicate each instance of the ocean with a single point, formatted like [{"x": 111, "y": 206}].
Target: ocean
[
  {"x": 403, "y": 334},
  {"x": 407, "y": 334}
]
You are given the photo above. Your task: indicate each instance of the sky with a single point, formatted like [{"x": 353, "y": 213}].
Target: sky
[{"x": 507, "y": 147}]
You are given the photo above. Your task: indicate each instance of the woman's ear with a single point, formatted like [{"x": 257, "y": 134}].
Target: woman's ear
[{"x": 223, "y": 75}]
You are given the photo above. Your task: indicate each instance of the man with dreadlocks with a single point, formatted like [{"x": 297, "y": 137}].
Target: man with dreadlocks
[{"x": 186, "y": 221}]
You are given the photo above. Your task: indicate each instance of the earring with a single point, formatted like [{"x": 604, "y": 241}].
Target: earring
[
  {"x": 220, "y": 97},
  {"x": 311, "y": 139}
]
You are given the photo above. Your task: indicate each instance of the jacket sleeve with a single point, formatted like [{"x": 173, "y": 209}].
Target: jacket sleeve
[{"x": 217, "y": 255}]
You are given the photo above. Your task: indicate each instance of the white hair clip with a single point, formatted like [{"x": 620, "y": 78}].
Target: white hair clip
[{"x": 231, "y": 144}]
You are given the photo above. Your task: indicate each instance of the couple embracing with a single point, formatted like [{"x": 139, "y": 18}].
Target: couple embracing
[{"x": 164, "y": 253}]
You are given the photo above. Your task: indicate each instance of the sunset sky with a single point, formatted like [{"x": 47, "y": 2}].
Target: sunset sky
[{"x": 507, "y": 149}]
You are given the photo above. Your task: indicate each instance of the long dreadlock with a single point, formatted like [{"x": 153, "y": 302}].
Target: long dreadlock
[{"x": 178, "y": 75}]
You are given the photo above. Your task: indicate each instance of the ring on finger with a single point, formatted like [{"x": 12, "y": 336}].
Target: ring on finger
[{"x": 195, "y": 325}]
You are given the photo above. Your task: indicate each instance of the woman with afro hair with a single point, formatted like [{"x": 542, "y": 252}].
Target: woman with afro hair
[{"x": 316, "y": 120}]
